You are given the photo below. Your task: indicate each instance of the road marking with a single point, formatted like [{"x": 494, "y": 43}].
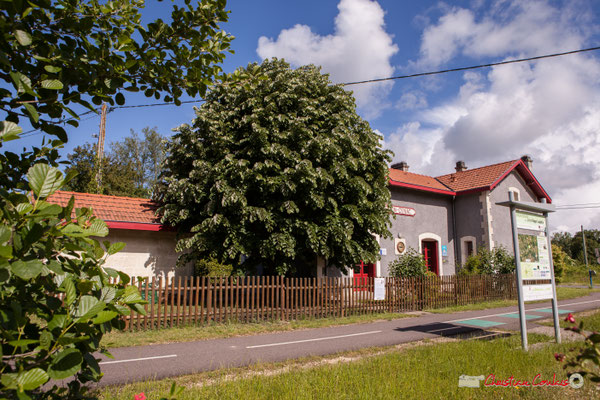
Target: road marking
[
  {"x": 482, "y": 323},
  {"x": 137, "y": 359},
  {"x": 312, "y": 340},
  {"x": 530, "y": 309}
]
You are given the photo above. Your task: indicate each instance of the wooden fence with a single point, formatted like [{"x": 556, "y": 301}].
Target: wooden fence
[{"x": 181, "y": 301}]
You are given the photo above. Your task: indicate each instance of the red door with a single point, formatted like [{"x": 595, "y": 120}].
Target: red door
[
  {"x": 362, "y": 273},
  {"x": 430, "y": 253}
]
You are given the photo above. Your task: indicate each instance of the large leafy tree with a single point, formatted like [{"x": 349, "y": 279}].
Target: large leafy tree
[
  {"x": 276, "y": 172},
  {"x": 56, "y": 298}
]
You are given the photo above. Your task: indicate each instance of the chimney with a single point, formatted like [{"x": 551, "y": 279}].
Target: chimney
[
  {"x": 401, "y": 166},
  {"x": 527, "y": 160},
  {"x": 460, "y": 166}
]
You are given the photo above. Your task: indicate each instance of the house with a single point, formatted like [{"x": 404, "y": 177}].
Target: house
[
  {"x": 150, "y": 248},
  {"x": 445, "y": 218}
]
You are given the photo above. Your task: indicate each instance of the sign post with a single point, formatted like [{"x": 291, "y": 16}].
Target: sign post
[{"x": 533, "y": 257}]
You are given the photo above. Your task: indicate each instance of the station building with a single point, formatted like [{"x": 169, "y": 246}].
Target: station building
[{"x": 445, "y": 218}]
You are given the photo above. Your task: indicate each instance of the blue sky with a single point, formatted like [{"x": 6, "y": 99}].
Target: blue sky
[{"x": 549, "y": 109}]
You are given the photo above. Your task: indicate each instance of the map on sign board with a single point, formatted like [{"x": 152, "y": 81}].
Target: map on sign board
[
  {"x": 531, "y": 221},
  {"x": 534, "y": 257},
  {"x": 537, "y": 292},
  {"x": 379, "y": 288}
]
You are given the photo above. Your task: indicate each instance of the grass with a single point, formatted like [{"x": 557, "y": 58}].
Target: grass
[
  {"x": 231, "y": 329},
  {"x": 591, "y": 322},
  {"x": 563, "y": 293},
  {"x": 424, "y": 372}
]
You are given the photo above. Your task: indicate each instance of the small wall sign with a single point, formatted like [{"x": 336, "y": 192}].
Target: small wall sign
[
  {"x": 444, "y": 251},
  {"x": 382, "y": 252},
  {"x": 409, "y": 212}
]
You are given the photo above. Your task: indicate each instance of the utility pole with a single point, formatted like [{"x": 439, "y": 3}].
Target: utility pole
[
  {"x": 100, "y": 146},
  {"x": 585, "y": 257}
]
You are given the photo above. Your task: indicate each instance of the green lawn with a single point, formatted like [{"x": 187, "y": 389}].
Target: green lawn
[
  {"x": 422, "y": 372},
  {"x": 591, "y": 322}
]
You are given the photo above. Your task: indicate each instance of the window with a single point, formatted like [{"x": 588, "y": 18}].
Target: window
[
  {"x": 516, "y": 193},
  {"x": 469, "y": 248}
]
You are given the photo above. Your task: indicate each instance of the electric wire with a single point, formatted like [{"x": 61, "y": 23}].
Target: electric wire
[{"x": 35, "y": 131}]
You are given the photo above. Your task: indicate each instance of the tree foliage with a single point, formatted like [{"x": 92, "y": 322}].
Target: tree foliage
[
  {"x": 572, "y": 245},
  {"x": 56, "y": 300},
  {"x": 130, "y": 167},
  {"x": 56, "y": 54},
  {"x": 45, "y": 253},
  {"x": 277, "y": 171}
]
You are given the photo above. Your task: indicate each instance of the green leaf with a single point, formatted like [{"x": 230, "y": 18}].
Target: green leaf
[
  {"x": 6, "y": 252},
  {"x": 115, "y": 248},
  {"x": 24, "y": 38},
  {"x": 104, "y": 316},
  {"x": 58, "y": 321},
  {"x": 88, "y": 307},
  {"x": 44, "y": 179},
  {"x": 32, "y": 379},
  {"x": 26, "y": 270},
  {"x": 9, "y": 130},
  {"x": 5, "y": 234},
  {"x": 52, "y": 84},
  {"x": 32, "y": 112},
  {"x": 120, "y": 99},
  {"x": 65, "y": 364},
  {"x": 55, "y": 130},
  {"x": 52, "y": 69},
  {"x": 24, "y": 208},
  {"x": 70, "y": 291},
  {"x": 97, "y": 228}
]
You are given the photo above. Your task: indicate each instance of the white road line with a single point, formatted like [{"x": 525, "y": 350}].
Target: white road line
[
  {"x": 512, "y": 312},
  {"x": 312, "y": 340},
  {"x": 137, "y": 359}
]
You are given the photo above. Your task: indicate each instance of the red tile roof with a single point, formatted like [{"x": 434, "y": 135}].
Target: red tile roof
[
  {"x": 118, "y": 212},
  {"x": 478, "y": 177},
  {"x": 416, "y": 181},
  {"x": 468, "y": 181}
]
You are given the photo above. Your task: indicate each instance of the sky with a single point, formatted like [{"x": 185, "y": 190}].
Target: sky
[{"x": 548, "y": 109}]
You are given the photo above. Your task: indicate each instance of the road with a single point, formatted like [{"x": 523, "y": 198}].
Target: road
[{"x": 173, "y": 359}]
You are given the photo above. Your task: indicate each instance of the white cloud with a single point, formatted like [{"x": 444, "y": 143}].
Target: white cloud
[
  {"x": 359, "y": 49},
  {"x": 549, "y": 109}
]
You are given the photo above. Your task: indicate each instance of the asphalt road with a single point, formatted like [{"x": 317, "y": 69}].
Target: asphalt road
[{"x": 167, "y": 360}]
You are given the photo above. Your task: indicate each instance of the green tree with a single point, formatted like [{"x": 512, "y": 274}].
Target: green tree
[
  {"x": 564, "y": 240},
  {"x": 276, "y": 172},
  {"x": 146, "y": 156},
  {"x": 130, "y": 167},
  {"x": 118, "y": 174},
  {"x": 592, "y": 241},
  {"x": 56, "y": 300}
]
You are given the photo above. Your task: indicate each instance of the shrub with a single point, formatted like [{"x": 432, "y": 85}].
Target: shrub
[
  {"x": 212, "y": 268},
  {"x": 56, "y": 298},
  {"x": 486, "y": 262},
  {"x": 411, "y": 263},
  {"x": 561, "y": 260}
]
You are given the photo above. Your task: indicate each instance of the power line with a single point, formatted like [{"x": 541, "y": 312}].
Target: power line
[
  {"x": 471, "y": 67},
  {"x": 25, "y": 134}
]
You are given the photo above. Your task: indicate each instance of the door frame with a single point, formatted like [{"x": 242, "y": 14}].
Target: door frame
[{"x": 428, "y": 236}]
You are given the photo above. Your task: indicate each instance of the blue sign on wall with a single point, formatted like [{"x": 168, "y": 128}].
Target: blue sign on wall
[{"x": 444, "y": 251}]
